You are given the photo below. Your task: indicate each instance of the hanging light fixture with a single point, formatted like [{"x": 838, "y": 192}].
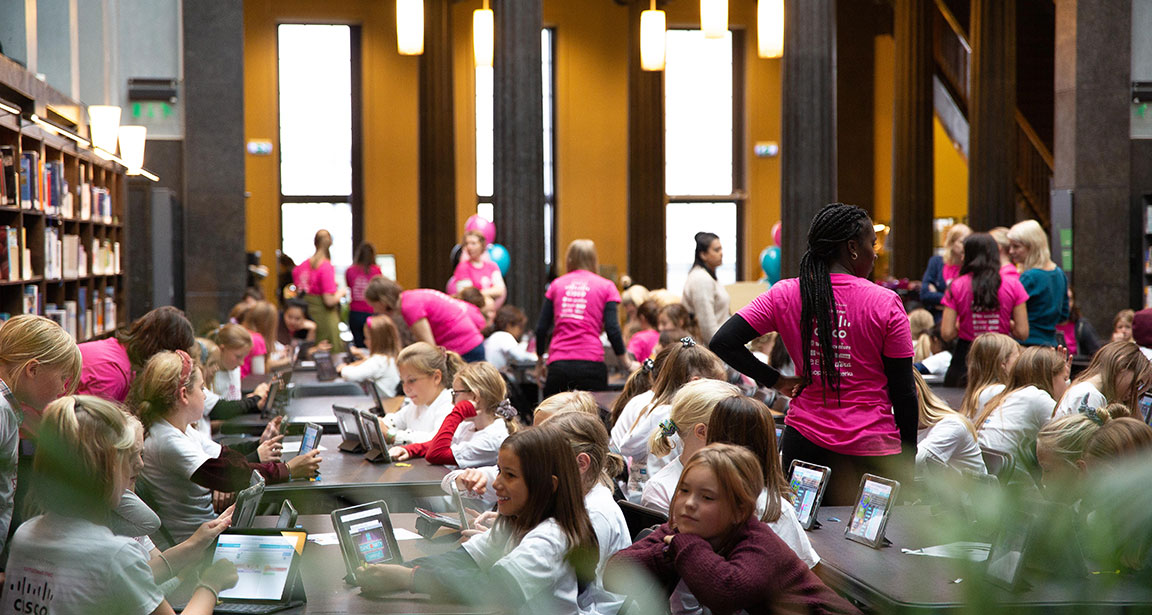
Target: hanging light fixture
[
  {"x": 104, "y": 126},
  {"x": 483, "y": 35},
  {"x": 410, "y": 27},
  {"x": 132, "y": 139},
  {"x": 770, "y": 28},
  {"x": 714, "y": 18},
  {"x": 653, "y": 28}
]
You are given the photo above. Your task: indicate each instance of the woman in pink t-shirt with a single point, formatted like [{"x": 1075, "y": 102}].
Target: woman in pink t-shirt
[
  {"x": 110, "y": 364},
  {"x": 357, "y": 277},
  {"x": 577, "y": 306},
  {"x": 479, "y": 271},
  {"x": 856, "y": 409},
  {"x": 980, "y": 301},
  {"x": 431, "y": 316},
  {"x": 323, "y": 296}
]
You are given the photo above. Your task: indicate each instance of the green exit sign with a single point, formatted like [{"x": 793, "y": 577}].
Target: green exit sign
[{"x": 151, "y": 110}]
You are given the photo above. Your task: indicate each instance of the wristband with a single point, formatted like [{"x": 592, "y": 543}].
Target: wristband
[
  {"x": 215, "y": 594},
  {"x": 171, "y": 573}
]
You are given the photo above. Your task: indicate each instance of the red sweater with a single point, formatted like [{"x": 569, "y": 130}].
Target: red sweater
[
  {"x": 760, "y": 575},
  {"x": 438, "y": 450}
]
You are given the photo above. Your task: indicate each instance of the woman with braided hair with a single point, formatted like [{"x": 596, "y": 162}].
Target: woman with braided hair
[{"x": 854, "y": 406}]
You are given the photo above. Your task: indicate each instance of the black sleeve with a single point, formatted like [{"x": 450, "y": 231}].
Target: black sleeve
[
  {"x": 544, "y": 327},
  {"x": 728, "y": 344},
  {"x": 1087, "y": 341},
  {"x": 612, "y": 328},
  {"x": 902, "y": 393},
  {"x": 226, "y": 409}
]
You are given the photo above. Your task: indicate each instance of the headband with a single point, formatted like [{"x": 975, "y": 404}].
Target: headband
[
  {"x": 505, "y": 410},
  {"x": 668, "y": 428},
  {"x": 185, "y": 367},
  {"x": 687, "y": 341}
]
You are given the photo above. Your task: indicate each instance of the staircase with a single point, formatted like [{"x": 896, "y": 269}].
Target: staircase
[{"x": 953, "y": 56}]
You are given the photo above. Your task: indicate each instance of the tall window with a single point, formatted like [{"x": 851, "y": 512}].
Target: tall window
[
  {"x": 317, "y": 65},
  {"x": 703, "y": 161},
  {"x": 485, "y": 142}
]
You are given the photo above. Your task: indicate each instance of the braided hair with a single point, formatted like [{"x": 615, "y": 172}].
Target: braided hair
[{"x": 833, "y": 225}]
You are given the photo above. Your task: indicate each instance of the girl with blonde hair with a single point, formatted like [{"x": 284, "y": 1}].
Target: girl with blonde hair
[
  {"x": 426, "y": 374},
  {"x": 921, "y": 322},
  {"x": 990, "y": 362},
  {"x": 1045, "y": 283},
  {"x": 1118, "y": 373},
  {"x": 1010, "y": 421},
  {"x": 379, "y": 367},
  {"x": 945, "y": 435},
  {"x": 942, "y": 270}
]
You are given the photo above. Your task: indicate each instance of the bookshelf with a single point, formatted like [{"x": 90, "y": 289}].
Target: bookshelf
[{"x": 61, "y": 232}]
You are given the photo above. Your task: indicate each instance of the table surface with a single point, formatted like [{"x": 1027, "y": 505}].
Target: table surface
[
  {"x": 340, "y": 468},
  {"x": 322, "y": 569},
  {"x": 891, "y": 581}
]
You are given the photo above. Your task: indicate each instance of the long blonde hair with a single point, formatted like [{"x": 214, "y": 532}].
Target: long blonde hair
[
  {"x": 1036, "y": 367},
  {"x": 956, "y": 232},
  {"x": 986, "y": 367},
  {"x": 27, "y": 338},
  {"x": 692, "y": 404},
  {"x": 1110, "y": 362},
  {"x": 154, "y": 392},
  {"x": 1032, "y": 235},
  {"x": 586, "y": 434},
  {"x": 932, "y": 408},
  {"x": 428, "y": 360},
  {"x": 921, "y": 322},
  {"x": 1067, "y": 436},
  {"x": 486, "y": 383},
  {"x": 561, "y": 403}
]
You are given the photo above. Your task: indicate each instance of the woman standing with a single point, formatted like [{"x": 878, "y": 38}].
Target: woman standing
[
  {"x": 856, "y": 407},
  {"x": 357, "y": 277},
  {"x": 479, "y": 272},
  {"x": 1045, "y": 283},
  {"x": 317, "y": 278},
  {"x": 943, "y": 269},
  {"x": 576, "y": 307},
  {"x": 431, "y": 316},
  {"x": 703, "y": 294}
]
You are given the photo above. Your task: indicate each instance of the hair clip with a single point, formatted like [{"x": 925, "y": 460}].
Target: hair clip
[
  {"x": 505, "y": 410},
  {"x": 203, "y": 352},
  {"x": 668, "y": 428},
  {"x": 687, "y": 341},
  {"x": 185, "y": 366},
  {"x": 1094, "y": 416},
  {"x": 648, "y": 365}
]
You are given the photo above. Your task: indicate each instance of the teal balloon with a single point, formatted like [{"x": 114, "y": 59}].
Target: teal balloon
[
  {"x": 770, "y": 263},
  {"x": 499, "y": 255}
]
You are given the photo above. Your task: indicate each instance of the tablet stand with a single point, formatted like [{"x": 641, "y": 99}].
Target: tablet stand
[
  {"x": 376, "y": 455},
  {"x": 350, "y": 446}
]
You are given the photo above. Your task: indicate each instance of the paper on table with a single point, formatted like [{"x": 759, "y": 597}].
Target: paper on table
[
  {"x": 403, "y": 534},
  {"x": 319, "y": 418},
  {"x": 294, "y": 447},
  {"x": 973, "y": 551},
  {"x": 324, "y": 539}
]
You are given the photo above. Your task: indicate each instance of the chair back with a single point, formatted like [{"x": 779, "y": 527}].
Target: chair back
[{"x": 640, "y": 518}]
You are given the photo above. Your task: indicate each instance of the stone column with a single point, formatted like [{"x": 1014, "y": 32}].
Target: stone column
[
  {"x": 437, "y": 147},
  {"x": 992, "y": 115},
  {"x": 912, "y": 197},
  {"x": 647, "y": 263}
]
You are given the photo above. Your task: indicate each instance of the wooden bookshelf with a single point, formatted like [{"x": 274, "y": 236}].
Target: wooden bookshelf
[{"x": 87, "y": 280}]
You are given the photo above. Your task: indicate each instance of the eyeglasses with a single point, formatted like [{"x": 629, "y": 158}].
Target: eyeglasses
[{"x": 456, "y": 392}]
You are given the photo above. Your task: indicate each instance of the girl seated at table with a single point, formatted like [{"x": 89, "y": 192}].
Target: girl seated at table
[
  {"x": 714, "y": 543},
  {"x": 473, "y": 431},
  {"x": 1010, "y": 421},
  {"x": 643, "y": 342},
  {"x": 502, "y": 338},
  {"x": 1118, "y": 373},
  {"x": 182, "y": 467},
  {"x": 66, "y": 560},
  {"x": 677, "y": 317},
  {"x": 990, "y": 361},
  {"x": 1060, "y": 451},
  {"x": 379, "y": 368},
  {"x": 234, "y": 343},
  {"x": 637, "y": 389},
  {"x": 945, "y": 435},
  {"x": 530, "y": 562},
  {"x": 426, "y": 374},
  {"x": 216, "y": 408}
]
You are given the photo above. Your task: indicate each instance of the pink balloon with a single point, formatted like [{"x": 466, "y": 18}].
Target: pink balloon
[
  {"x": 776, "y": 233},
  {"x": 450, "y": 287},
  {"x": 476, "y": 223}
]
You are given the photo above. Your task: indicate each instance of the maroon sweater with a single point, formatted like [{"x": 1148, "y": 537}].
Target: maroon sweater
[
  {"x": 438, "y": 450},
  {"x": 760, "y": 575},
  {"x": 231, "y": 471}
]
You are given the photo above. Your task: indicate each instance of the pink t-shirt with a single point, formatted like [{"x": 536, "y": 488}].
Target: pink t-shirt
[
  {"x": 870, "y": 324},
  {"x": 1068, "y": 330},
  {"x": 316, "y": 281},
  {"x": 455, "y": 324},
  {"x": 578, "y": 301},
  {"x": 106, "y": 370},
  {"x": 950, "y": 272},
  {"x": 642, "y": 343},
  {"x": 259, "y": 349},
  {"x": 482, "y": 276},
  {"x": 970, "y": 325},
  {"x": 1009, "y": 271},
  {"x": 357, "y": 280}
]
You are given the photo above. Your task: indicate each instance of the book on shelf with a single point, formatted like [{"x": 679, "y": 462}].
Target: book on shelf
[
  {"x": 31, "y": 299},
  {"x": 11, "y": 253},
  {"x": 59, "y": 315},
  {"x": 70, "y": 322},
  {"x": 25, "y": 256},
  {"x": 10, "y": 195},
  {"x": 70, "y": 253},
  {"x": 30, "y": 180},
  {"x": 83, "y": 314},
  {"x": 109, "y": 308},
  {"x": 85, "y": 200}
]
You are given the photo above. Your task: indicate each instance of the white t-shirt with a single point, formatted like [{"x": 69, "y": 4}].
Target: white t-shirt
[
  {"x": 170, "y": 459},
  {"x": 985, "y": 395},
  {"x": 10, "y": 420},
  {"x": 612, "y": 535},
  {"x": 472, "y": 447},
  {"x": 489, "y": 496},
  {"x": 538, "y": 564},
  {"x": 950, "y": 442},
  {"x": 501, "y": 348},
  {"x": 630, "y": 436},
  {"x": 1017, "y": 420},
  {"x": 658, "y": 493},
  {"x": 787, "y": 527},
  {"x": 414, "y": 423},
  {"x": 63, "y": 565},
  {"x": 380, "y": 369},
  {"x": 938, "y": 363},
  {"x": 1078, "y": 395},
  {"x": 227, "y": 385}
]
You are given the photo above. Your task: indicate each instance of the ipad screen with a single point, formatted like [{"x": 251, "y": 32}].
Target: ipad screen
[
  {"x": 805, "y": 488},
  {"x": 869, "y": 515}
]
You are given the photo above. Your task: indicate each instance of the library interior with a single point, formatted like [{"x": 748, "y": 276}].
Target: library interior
[{"x": 575, "y": 306}]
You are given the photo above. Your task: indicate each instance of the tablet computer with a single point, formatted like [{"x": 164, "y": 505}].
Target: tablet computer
[
  {"x": 268, "y": 407},
  {"x": 1009, "y": 550},
  {"x": 247, "y": 501},
  {"x": 874, "y": 505},
  {"x": 366, "y": 536},
  {"x": 348, "y": 420},
  {"x": 288, "y": 516},
  {"x": 808, "y": 482},
  {"x": 457, "y": 520},
  {"x": 375, "y": 446},
  {"x": 311, "y": 439},
  {"x": 1145, "y": 405},
  {"x": 267, "y": 569},
  {"x": 325, "y": 368}
]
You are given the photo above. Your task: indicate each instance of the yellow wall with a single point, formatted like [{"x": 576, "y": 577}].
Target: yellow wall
[{"x": 950, "y": 186}]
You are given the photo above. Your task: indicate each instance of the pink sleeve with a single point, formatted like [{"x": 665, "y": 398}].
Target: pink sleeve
[
  {"x": 326, "y": 279},
  {"x": 1019, "y": 295},
  {"x": 477, "y": 317},
  {"x": 898, "y": 338},
  {"x": 413, "y": 307},
  {"x": 374, "y": 271},
  {"x": 947, "y": 301},
  {"x": 350, "y": 275},
  {"x": 612, "y": 293},
  {"x": 759, "y": 313}
]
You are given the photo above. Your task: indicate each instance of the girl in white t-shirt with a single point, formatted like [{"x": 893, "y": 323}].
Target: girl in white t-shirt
[
  {"x": 66, "y": 560},
  {"x": 473, "y": 431},
  {"x": 235, "y": 343},
  {"x": 182, "y": 467},
  {"x": 542, "y": 543},
  {"x": 426, "y": 373},
  {"x": 990, "y": 361},
  {"x": 685, "y": 361},
  {"x": 945, "y": 435},
  {"x": 1118, "y": 373},
  {"x": 691, "y": 408},
  {"x": 1011, "y": 420},
  {"x": 502, "y": 345},
  {"x": 379, "y": 367}
]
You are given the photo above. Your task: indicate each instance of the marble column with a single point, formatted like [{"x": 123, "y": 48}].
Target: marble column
[
  {"x": 647, "y": 263},
  {"x": 992, "y": 115},
  {"x": 912, "y": 196},
  {"x": 437, "y": 147}
]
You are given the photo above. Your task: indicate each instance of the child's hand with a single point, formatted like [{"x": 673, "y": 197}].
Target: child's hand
[
  {"x": 668, "y": 539},
  {"x": 398, "y": 453},
  {"x": 209, "y": 530},
  {"x": 272, "y": 429},
  {"x": 261, "y": 392},
  {"x": 306, "y": 465},
  {"x": 485, "y": 520},
  {"x": 472, "y": 480},
  {"x": 384, "y": 578},
  {"x": 221, "y": 575},
  {"x": 270, "y": 449}
]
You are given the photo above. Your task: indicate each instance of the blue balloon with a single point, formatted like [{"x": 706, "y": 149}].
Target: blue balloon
[
  {"x": 499, "y": 255},
  {"x": 770, "y": 263}
]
